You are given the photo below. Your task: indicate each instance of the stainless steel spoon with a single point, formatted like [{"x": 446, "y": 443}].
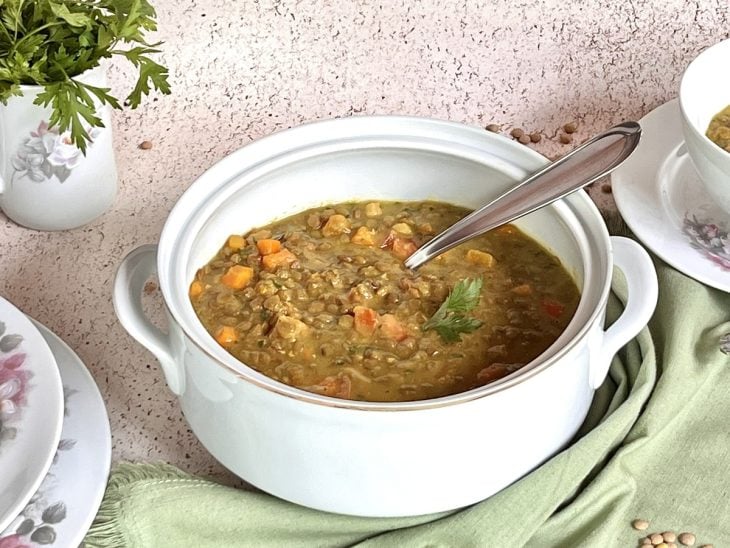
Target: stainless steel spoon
[{"x": 583, "y": 166}]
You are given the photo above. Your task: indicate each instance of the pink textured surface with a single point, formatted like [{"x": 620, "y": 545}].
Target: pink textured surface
[{"x": 241, "y": 70}]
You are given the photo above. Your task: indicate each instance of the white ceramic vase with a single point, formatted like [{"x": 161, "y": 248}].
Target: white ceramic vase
[{"x": 46, "y": 182}]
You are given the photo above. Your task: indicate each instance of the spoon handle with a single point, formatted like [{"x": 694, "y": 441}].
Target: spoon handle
[{"x": 583, "y": 166}]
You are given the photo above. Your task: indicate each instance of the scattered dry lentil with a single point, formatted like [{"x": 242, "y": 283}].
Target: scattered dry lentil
[
  {"x": 524, "y": 139},
  {"x": 535, "y": 137},
  {"x": 565, "y": 138},
  {"x": 688, "y": 539},
  {"x": 570, "y": 127},
  {"x": 640, "y": 524},
  {"x": 671, "y": 545},
  {"x": 517, "y": 133},
  {"x": 494, "y": 128},
  {"x": 662, "y": 545},
  {"x": 669, "y": 536},
  {"x": 656, "y": 539},
  {"x": 145, "y": 145}
]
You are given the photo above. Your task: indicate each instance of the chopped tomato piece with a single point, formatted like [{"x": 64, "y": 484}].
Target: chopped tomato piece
[
  {"x": 366, "y": 320},
  {"x": 403, "y": 248},
  {"x": 268, "y": 246},
  {"x": 492, "y": 372},
  {"x": 337, "y": 387},
  {"x": 226, "y": 335},
  {"x": 283, "y": 257},
  {"x": 237, "y": 277},
  {"x": 391, "y": 327},
  {"x": 553, "y": 308}
]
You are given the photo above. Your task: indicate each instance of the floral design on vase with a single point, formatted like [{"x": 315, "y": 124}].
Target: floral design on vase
[
  {"x": 709, "y": 239},
  {"x": 35, "y": 524},
  {"x": 47, "y": 153},
  {"x": 13, "y": 384}
]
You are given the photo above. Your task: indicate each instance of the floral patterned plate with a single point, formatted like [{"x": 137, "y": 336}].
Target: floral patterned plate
[
  {"x": 662, "y": 199},
  {"x": 31, "y": 410},
  {"x": 61, "y": 511}
]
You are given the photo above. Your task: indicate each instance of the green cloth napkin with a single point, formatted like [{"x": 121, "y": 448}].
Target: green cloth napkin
[{"x": 656, "y": 445}]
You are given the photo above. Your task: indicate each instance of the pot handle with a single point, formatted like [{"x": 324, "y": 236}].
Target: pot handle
[
  {"x": 643, "y": 291},
  {"x": 134, "y": 271}
]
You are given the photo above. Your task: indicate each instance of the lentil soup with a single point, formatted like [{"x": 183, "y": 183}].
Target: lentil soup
[{"x": 321, "y": 300}]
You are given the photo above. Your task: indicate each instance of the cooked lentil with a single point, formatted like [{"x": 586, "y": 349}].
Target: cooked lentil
[{"x": 332, "y": 309}]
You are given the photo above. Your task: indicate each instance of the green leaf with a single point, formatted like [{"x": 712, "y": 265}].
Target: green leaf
[
  {"x": 150, "y": 73},
  {"x": 449, "y": 320},
  {"x": 74, "y": 19}
]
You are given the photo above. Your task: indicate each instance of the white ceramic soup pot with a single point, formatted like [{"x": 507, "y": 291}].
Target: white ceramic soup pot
[{"x": 366, "y": 458}]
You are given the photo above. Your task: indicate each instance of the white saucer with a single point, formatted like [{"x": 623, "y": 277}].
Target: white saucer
[
  {"x": 662, "y": 199},
  {"x": 31, "y": 410},
  {"x": 62, "y": 510}
]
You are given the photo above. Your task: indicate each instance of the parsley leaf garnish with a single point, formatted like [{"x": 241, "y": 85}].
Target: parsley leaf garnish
[{"x": 450, "y": 320}]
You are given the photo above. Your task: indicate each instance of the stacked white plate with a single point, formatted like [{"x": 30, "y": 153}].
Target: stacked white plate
[{"x": 55, "y": 444}]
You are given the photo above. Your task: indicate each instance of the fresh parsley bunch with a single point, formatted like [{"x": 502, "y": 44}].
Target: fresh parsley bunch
[{"x": 48, "y": 42}]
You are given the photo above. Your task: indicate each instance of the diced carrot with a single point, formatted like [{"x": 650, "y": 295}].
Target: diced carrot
[
  {"x": 391, "y": 327},
  {"x": 268, "y": 246},
  {"x": 523, "y": 290},
  {"x": 363, "y": 236},
  {"x": 474, "y": 256},
  {"x": 237, "y": 276},
  {"x": 226, "y": 335},
  {"x": 366, "y": 320},
  {"x": 275, "y": 260},
  {"x": 403, "y": 248},
  {"x": 236, "y": 242},
  {"x": 492, "y": 372},
  {"x": 553, "y": 308},
  {"x": 336, "y": 224},
  {"x": 196, "y": 288}
]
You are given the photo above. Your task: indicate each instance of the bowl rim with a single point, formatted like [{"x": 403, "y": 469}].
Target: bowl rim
[
  {"x": 684, "y": 107},
  {"x": 220, "y": 173}
]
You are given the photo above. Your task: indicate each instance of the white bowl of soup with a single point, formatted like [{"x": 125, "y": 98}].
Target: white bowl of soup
[
  {"x": 704, "y": 99},
  {"x": 309, "y": 363}
]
